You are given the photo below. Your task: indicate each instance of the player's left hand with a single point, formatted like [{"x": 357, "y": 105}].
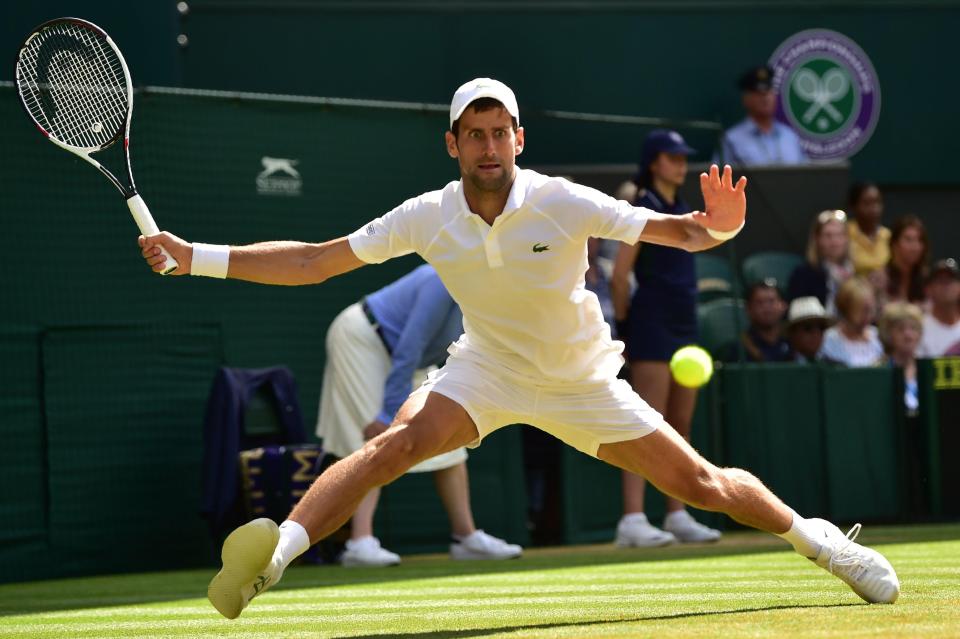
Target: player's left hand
[
  {"x": 725, "y": 205},
  {"x": 373, "y": 429}
]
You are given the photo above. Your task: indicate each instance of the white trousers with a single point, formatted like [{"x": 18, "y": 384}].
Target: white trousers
[{"x": 354, "y": 376}]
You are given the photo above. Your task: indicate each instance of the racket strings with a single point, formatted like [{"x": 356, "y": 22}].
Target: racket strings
[{"x": 74, "y": 85}]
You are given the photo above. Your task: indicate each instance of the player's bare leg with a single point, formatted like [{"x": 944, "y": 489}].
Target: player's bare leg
[
  {"x": 676, "y": 469},
  {"x": 256, "y": 553}
]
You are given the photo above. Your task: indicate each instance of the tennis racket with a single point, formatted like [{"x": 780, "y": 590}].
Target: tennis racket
[{"x": 75, "y": 86}]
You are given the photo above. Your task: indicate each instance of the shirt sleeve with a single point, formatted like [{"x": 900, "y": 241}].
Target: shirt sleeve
[
  {"x": 603, "y": 216},
  {"x": 388, "y": 236},
  {"x": 428, "y": 313}
]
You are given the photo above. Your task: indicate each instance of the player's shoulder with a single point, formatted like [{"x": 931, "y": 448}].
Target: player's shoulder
[{"x": 546, "y": 190}]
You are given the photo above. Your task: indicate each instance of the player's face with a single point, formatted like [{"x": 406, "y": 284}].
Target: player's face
[
  {"x": 869, "y": 208},
  {"x": 905, "y": 337},
  {"x": 832, "y": 241},
  {"x": 766, "y": 308},
  {"x": 944, "y": 289},
  {"x": 760, "y": 104},
  {"x": 806, "y": 338},
  {"x": 486, "y": 148},
  {"x": 670, "y": 168},
  {"x": 909, "y": 246}
]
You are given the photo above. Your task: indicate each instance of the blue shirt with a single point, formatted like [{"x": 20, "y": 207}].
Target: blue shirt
[
  {"x": 419, "y": 321},
  {"x": 746, "y": 145},
  {"x": 664, "y": 272}
]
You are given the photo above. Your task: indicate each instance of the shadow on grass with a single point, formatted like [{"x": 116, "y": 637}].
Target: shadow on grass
[{"x": 480, "y": 632}]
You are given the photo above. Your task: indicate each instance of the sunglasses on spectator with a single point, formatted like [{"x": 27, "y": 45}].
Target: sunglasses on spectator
[{"x": 830, "y": 216}]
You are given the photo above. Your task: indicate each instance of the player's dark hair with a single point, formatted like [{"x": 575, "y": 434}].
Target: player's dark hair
[
  {"x": 479, "y": 106},
  {"x": 766, "y": 284},
  {"x": 857, "y": 189}
]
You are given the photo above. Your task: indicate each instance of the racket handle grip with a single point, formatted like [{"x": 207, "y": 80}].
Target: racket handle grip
[{"x": 141, "y": 215}]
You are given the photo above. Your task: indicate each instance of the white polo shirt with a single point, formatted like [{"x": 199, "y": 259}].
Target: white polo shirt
[{"x": 519, "y": 282}]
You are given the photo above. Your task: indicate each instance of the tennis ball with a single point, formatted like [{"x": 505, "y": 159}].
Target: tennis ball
[{"x": 691, "y": 366}]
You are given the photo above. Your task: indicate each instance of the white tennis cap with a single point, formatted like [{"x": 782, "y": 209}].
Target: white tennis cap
[{"x": 483, "y": 88}]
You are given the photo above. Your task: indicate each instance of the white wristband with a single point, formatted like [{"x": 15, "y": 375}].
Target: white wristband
[
  {"x": 723, "y": 236},
  {"x": 210, "y": 260}
]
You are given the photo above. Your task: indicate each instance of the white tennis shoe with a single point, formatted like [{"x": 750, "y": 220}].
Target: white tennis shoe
[
  {"x": 865, "y": 570},
  {"x": 480, "y": 545},
  {"x": 248, "y": 567},
  {"x": 367, "y": 551},
  {"x": 635, "y": 531},
  {"x": 688, "y": 530}
]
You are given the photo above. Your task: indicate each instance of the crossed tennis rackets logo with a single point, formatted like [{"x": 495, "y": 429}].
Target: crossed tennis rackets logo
[{"x": 821, "y": 91}]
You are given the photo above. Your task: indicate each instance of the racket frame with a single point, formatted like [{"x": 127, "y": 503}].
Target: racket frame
[{"x": 138, "y": 208}]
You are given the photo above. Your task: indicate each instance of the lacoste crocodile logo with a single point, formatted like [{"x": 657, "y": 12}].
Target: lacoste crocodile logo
[{"x": 540, "y": 248}]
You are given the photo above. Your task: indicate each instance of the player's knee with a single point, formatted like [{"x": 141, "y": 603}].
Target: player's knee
[
  {"x": 708, "y": 488},
  {"x": 395, "y": 451}
]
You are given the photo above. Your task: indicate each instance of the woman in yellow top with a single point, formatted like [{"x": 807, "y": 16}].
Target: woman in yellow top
[{"x": 869, "y": 240}]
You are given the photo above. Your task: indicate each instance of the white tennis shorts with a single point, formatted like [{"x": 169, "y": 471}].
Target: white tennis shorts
[
  {"x": 582, "y": 414},
  {"x": 354, "y": 376}
]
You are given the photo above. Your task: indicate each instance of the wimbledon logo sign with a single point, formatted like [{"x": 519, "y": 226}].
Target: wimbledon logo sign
[{"x": 828, "y": 92}]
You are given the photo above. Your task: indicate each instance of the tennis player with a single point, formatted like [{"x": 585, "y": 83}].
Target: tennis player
[{"x": 511, "y": 247}]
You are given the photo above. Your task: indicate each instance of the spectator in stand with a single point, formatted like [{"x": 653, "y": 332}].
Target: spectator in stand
[
  {"x": 853, "y": 341},
  {"x": 869, "y": 239},
  {"x": 760, "y": 139},
  {"x": 901, "y": 325},
  {"x": 941, "y": 324},
  {"x": 763, "y": 340},
  {"x": 828, "y": 261},
  {"x": 909, "y": 255},
  {"x": 806, "y": 322}
]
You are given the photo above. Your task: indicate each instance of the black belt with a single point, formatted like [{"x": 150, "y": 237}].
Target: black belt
[{"x": 375, "y": 323}]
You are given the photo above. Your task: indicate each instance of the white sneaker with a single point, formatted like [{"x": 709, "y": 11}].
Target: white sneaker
[
  {"x": 687, "y": 529},
  {"x": 248, "y": 569},
  {"x": 865, "y": 570},
  {"x": 480, "y": 545},
  {"x": 634, "y": 530},
  {"x": 367, "y": 551}
]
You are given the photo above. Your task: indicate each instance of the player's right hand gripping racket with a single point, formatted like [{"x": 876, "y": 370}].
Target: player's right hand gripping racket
[{"x": 75, "y": 86}]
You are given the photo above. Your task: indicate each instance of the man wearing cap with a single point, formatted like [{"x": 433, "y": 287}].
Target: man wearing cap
[
  {"x": 510, "y": 246},
  {"x": 941, "y": 324},
  {"x": 760, "y": 139},
  {"x": 375, "y": 348},
  {"x": 657, "y": 320},
  {"x": 806, "y": 322}
]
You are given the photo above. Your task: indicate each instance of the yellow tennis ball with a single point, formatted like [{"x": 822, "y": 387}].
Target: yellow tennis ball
[{"x": 691, "y": 366}]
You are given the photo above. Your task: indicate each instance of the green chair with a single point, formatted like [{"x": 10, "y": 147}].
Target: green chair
[
  {"x": 772, "y": 264},
  {"x": 714, "y": 277},
  {"x": 721, "y": 322}
]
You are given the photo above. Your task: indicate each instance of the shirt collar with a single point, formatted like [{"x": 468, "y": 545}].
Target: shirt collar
[
  {"x": 754, "y": 129},
  {"x": 518, "y": 193}
]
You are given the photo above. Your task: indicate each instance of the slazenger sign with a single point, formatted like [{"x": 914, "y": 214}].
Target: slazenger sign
[{"x": 828, "y": 92}]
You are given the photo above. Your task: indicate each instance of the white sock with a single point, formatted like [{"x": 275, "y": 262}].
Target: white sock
[
  {"x": 294, "y": 541},
  {"x": 635, "y": 518},
  {"x": 804, "y": 535}
]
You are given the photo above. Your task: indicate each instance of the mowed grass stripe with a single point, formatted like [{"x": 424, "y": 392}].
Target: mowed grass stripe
[{"x": 577, "y": 593}]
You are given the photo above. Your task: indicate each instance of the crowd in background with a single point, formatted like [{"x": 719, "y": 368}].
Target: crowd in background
[{"x": 865, "y": 294}]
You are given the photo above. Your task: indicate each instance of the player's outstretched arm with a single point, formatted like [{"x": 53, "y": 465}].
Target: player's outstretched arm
[
  {"x": 284, "y": 263},
  {"x": 725, "y": 205}
]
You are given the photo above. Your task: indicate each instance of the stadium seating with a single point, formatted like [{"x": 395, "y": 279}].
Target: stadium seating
[
  {"x": 773, "y": 264},
  {"x": 720, "y": 322},
  {"x": 715, "y": 278}
]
